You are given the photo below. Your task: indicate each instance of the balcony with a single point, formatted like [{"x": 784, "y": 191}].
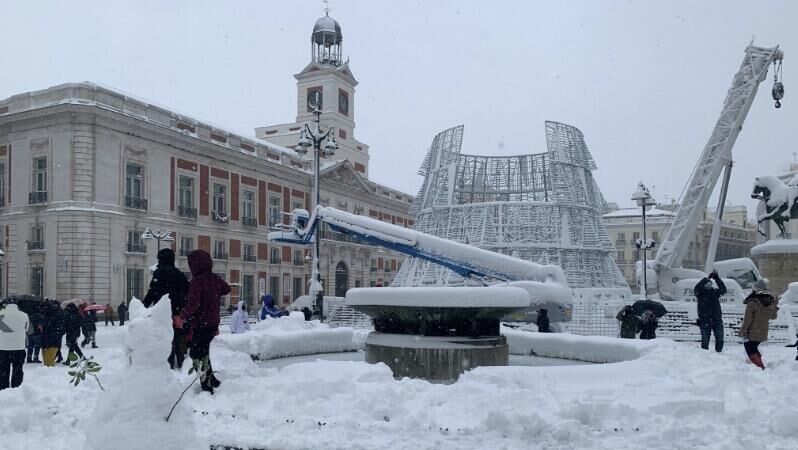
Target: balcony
[
  {"x": 136, "y": 203},
  {"x": 187, "y": 212},
  {"x": 249, "y": 258},
  {"x": 35, "y": 245},
  {"x": 185, "y": 251},
  {"x": 220, "y": 217},
  {"x": 136, "y": 248},
  {"x": 35, "y": 198},
  {"x": 219, "y": 255},
  {"x": 249, "y": 222}
]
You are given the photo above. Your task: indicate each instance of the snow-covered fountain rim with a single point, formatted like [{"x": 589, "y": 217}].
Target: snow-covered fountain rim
[{"x": 440, "y": 297}]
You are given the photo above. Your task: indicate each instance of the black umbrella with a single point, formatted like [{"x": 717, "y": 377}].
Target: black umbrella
[{"x": 641, "y": 306}]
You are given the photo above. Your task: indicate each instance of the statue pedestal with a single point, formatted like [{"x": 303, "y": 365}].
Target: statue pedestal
[{"x": 777, "y": 260}]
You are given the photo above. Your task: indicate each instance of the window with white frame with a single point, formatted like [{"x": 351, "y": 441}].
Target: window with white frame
[
  {"x": 274, "y": 210},
  {"x": 40, "y": 174},
  {"x": 220, "y": 199},
  {"x": 219, "y": 249},
  {"x": 134, "y": 186}
]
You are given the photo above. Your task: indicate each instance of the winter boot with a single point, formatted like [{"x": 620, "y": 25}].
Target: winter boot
[
  {"x": 206, "y": 386},
  {"x": 93, "y": 345},
  {"x": 756, "y": 358}
]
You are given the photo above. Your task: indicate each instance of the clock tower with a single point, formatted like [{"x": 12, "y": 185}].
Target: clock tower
[{"x": 327, "y": 80}]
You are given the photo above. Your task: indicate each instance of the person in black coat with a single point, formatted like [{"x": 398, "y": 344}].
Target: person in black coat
[
  {"x": 52, "y": 334},
  {"x": 121, "y": 310},
  {"x": 89, "y": 327},
  {"x": 167, "y": 279},
  {"x": 73, "y": 323},
  {"x": 708, "y": 292},
  {"x": 543, "y": 321},
  {"x": 648, "y": 325},
  {"x": 37, "y": 322}
]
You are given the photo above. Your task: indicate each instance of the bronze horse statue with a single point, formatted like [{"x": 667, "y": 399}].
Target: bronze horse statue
[{"x": 781, "y": 201}]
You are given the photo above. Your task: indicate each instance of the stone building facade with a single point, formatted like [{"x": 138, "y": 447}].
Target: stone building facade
[{"x": 86, "y": 169}]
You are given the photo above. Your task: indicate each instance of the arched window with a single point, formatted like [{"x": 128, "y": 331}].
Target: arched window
[{"x": 341, "y": 279}]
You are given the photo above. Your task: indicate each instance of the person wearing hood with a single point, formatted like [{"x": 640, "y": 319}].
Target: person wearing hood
[
  {"x": 760, "y": 308},
  {"x": 72, "y": 326},
  {"x": 167, "y": 279},
  {"x": 269, "y": 310},
  {"x": 202, "y": 314},
  {"x": 239, "y": 321},
  {"x": 708, "y": 292},
  {"x": 14, "y": 326},
  {"x": 630, "y": 323}
]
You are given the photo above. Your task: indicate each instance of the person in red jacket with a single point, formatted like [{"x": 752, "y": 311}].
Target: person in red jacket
[{"x": 201, "y": 314}]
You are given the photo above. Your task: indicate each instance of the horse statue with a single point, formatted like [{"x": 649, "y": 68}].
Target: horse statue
[{"x": 781, "y": 201}]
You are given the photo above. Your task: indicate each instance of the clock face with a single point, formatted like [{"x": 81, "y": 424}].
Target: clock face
[
  {"x": 314, "y": 97},
  {"x": 343, "y": 102}
]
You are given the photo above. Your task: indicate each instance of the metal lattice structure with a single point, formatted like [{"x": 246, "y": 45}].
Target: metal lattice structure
[{"x": 542, "y": 207}]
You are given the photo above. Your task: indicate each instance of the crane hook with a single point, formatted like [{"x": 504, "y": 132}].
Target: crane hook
[{"x": 778, "y": 86}]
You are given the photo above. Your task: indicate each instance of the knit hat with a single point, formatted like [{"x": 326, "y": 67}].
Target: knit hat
[{"x": 761, "y": 285}]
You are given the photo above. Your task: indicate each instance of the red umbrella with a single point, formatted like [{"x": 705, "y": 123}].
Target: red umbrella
[{"x": 95, "y": 308}]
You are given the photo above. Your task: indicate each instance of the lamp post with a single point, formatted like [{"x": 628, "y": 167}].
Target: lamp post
[
  {"x": 166, "y": 236},
  {"x": 644, "y": 201},
  {"x": 314, "y": 137}
]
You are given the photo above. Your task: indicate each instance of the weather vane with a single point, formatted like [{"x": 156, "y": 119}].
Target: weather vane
[{"x": 326, "y": 7}]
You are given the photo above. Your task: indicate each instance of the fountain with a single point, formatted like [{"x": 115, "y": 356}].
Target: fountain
[{"x": 437, "y": 333}]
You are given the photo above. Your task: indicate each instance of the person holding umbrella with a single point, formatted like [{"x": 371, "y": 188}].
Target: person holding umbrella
[
  {"x": 708, "y": 292},
  {"x": 649, "y": 312},
  {"x": 648, "y": 325}
]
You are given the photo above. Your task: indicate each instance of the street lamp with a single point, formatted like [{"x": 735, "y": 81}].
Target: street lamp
[
  {"x": 644, "y": 201},
  {"x": 313, "y": 137},
  {"x": 166, "y": 236}
]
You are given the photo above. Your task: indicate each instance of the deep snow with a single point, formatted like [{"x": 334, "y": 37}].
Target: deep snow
[{"x": 673, "y": 396}]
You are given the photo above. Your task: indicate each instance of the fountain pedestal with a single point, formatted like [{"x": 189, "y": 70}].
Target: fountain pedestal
[{"x": 437, "y": 333}]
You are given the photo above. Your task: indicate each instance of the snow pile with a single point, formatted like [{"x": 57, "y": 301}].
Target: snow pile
[
  {"x": 440, "y": 297},
  {"x": 597, "y": 349},
  {"x": 289, "y": 336},
  {"x": 132, "y": 413},
  {"x": 776, "y": 246},
  {"x": 790, "y": 296}
]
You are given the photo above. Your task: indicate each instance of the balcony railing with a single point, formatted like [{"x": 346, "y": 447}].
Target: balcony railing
[
  {"x": 219, "y": 255},
  {"x": 249, "y": 222},
  {"x": 136, "y": 203},
  {"x": 620, "y": 242},
  {"x": 249, "y": 258},
  {"x": 35, "y": 245},
  {"x": 37, "y": 197},
  {"x": 185, "y": 251},
  {"x": 187, "y": 212},
  {"x": 275, "y": 261},
  {"x": 136, "y": 248}
]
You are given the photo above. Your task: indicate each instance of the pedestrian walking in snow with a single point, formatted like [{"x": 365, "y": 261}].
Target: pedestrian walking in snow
[
  {"x": 14, "y": 325},
  {"x": 109, "y": 314},
  {"x": 121, "y": 310},
  {"x": 543, "y": 321},
  {"x": 35, "y": 333},
  {"x": 760, "y": 308},
  {"x": 202, "y": 313},
  {"x": 53, "y": 333},
  {"x": 72, "y": 326},
  {"x": 648, "y": 325},
  {"x": 89, "y": 326},
  {"x": 629, "y": 322},
  {"x": 167, "y": 279},
  {"x": 239, "y": 321},
  {"x": 708, "y": 292}
]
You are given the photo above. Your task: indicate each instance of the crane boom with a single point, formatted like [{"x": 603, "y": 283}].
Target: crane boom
[
  {"x": 466, "y": 260},
  {"x": 716, "y": 155}
]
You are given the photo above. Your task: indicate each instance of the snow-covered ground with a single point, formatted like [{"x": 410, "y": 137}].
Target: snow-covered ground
[{"x": 673, "y": 396}]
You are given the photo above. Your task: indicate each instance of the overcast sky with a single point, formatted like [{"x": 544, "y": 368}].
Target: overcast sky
[{"x": 643, "y": 80}]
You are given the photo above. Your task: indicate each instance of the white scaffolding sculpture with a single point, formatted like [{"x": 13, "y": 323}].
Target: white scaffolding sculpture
[{"x": 542, "y": 207}]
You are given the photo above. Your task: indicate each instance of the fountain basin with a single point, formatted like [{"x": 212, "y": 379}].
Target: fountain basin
[{"x": 437, "y": 333}]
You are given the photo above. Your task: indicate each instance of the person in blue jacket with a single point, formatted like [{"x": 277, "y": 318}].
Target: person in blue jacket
[{"x": 269, "y": 310}]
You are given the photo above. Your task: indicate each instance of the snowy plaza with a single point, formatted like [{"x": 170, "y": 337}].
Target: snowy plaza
[
  {"x": 574, "y": 227},
  {"x": 658, "y": 395}
]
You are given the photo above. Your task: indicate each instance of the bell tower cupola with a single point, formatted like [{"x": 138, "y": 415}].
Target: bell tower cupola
[{"x": 326, "y": 41}]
